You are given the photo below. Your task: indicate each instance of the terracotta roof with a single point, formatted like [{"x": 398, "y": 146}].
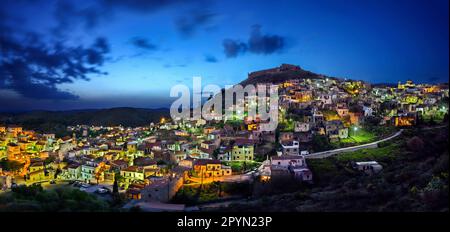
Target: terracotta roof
[
  {"x": 36, "y": 172},
  {"x": 119, "y": 162},
  {"x": 36, "y": 164},
  {"x": 244, "y": 142},
  {"x": 209, "y": 151},
  {"x": 144, "y": 161},
  {"x": 132, "y": 169},
  {"x": 73, "y": 165},
  {"x": 65, "y": 138}
]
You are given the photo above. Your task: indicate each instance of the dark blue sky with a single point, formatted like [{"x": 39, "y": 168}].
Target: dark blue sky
[{"x": 95, "y": 54}]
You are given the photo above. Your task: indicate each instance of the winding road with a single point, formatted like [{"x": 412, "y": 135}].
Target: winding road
[{"x": 325, "y": 154}]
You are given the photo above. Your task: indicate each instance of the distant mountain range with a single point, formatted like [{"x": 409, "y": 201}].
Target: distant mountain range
[{"x": 57, "y": 120}]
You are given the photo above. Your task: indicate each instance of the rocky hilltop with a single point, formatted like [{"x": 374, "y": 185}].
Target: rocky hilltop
[{"x": 280, "y": 74}]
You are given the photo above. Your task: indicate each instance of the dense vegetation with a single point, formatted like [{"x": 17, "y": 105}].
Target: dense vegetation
[
  {"x": 216, "y": 191},
  {"x": 34, "y": 199},
  {"x": 414, "y": 178},
  {"x": 11, "y": 166}
]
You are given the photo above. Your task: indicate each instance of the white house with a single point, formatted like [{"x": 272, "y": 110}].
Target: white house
[
  {"x": 301, "y": 127},
  {"x": 302, "y": 173},
  {"x": 290, "y": 148},
  {"x": 285, "y": 161},
  {"x": 343, "y": 133},
  {"x": 368, "y": 166},
  {"x": 367, "y": 111}
]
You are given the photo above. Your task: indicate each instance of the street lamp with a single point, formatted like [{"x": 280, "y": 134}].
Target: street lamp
[{"x": 355, "y": 129}]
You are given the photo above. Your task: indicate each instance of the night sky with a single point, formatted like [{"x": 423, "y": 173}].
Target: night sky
[{"x": 60, "y": 55}]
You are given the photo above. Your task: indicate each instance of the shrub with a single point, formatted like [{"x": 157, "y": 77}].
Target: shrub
[{"x": 415, "y": 144}]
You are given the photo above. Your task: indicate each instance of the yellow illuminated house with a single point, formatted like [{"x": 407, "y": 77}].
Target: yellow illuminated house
[
  {"x": 404, "y": 121},
  {"x": 36, "y": 166},
  {"x": 132, "y": 146},
  {"x": 38, "y": 175},
  {"x": 353, "y": 87},
  {"x": 408, "y": 84},
  {"x": 210, "y": 168},
  {"x": 133, "y": 173},
  {"x": 431, "y": 89},
  {"x": 15, "y": 130},
  {"x": 36, "y": 172},
  {"x": 287, "y": 84},
  {"x": 252, "y": 126},
  {"x": 243, "y": 150},
  {"x": 303, "y": 96},
  {"x": 13, "y": 151},
  {"x": 411, "y": 99}
]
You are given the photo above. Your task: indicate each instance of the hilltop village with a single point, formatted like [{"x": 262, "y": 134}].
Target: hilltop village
[{"x": 152, "y": 162}]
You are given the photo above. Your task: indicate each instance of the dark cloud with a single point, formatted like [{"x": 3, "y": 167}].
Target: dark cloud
[
  {"x": 142, "y": 5},
  {"x": 233, "y": 48},
  {"x": 196, "y": 17},
  {"x": 264, "y": 44},
  {"x": 257, "y": 44},
  {"x": 188, "y": 24},
  {"x": 33, "y": 68},
  {"x": 143, "y": 43},
  {"x": 210, "y": 59},
  {"x": 70, "y": 14}
]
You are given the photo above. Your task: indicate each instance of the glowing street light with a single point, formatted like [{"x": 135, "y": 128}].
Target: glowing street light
[{"x": 355, "y": 129}]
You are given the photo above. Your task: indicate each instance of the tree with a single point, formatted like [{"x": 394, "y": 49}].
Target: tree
[
  {"x": 115, "y": 187},
  {"x": 58, "y": 171},
  {"x": 415, "y": 144},
  {"x": 445, "y": 117},
  {"x": 11, "y": 166},
  {"x": 49, "y": 160},
  {"x": 321, "y": 143},
  {"x": 215, "y": 153},
  {"x": 432, "y": 121}
]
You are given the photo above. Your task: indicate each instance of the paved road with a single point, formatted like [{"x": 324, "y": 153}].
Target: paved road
[
  {"x": 324, "y": 154},
  {"x": 432, "y": 128}
]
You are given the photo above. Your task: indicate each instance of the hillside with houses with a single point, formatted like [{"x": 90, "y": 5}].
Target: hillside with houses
[{"x": 378, "y": 154}]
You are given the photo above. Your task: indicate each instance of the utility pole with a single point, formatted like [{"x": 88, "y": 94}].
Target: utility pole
[{"x": 168, "y": 186}]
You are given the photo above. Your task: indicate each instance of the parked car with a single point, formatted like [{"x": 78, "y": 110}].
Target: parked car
[
  {"x": 102, "y": 190},
  {"x": 85, "y": 185},
  {"x": 76, "y": 184}
]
